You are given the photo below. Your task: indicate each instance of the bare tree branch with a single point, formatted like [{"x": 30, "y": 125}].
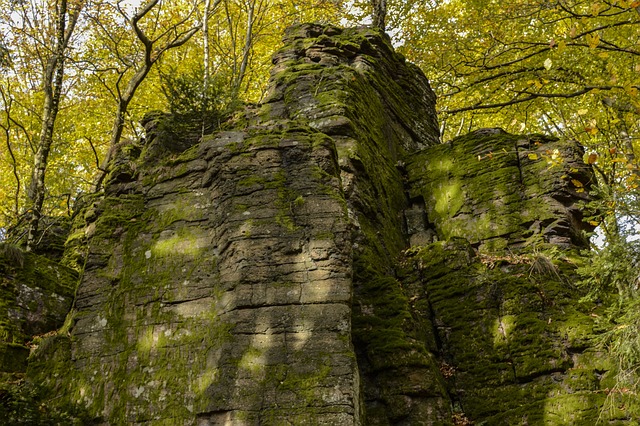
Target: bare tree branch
[
  {"x": 530, "y": 97},
  {"x": 7, "y": 102},
  {"x": 152, "y": 54}
]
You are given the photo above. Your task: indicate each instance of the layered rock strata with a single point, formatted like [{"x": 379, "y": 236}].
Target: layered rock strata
[{"x": 324, "y": 260}]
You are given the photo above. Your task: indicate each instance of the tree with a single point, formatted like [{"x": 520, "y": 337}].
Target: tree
[
  {"x": 50, "y": 45},
  {"x": 379, "y": 13},
  {"x": 499, "y": 53},
  {"x": 154, "y": 43}
]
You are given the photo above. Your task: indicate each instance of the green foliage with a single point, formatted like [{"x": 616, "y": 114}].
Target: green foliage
[
  {"x": 490, "y": 65},
  {"x": 192, "y": 100},
  {"x": 612, "y": 276},
  {"x": 614, "y": 269},
  {"x": 25, "y": 403},
  {"x": 623, "y": 340}
]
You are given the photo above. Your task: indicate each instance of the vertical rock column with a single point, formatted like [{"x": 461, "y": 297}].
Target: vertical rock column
[
  {"x": 379, "y": 109},
  {"x": 229, "y": 283},
  {"x": 216, "y": 289},
  {"x": 520, "y": 345},
  {"x": 284, "y": 260}
]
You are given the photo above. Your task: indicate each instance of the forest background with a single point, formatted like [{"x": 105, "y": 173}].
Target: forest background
[{"x": 77, "y": 77}]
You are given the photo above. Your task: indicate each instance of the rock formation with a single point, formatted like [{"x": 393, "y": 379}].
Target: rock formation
[
  {"x": 324, "y": 260},
  {"x": 35, "y": 296}
]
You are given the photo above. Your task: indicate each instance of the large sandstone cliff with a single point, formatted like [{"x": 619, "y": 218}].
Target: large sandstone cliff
[{"x": 326, "y": 261}]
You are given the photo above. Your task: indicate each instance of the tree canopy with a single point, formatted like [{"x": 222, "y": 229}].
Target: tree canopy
[{"x": 568, "y": 68}]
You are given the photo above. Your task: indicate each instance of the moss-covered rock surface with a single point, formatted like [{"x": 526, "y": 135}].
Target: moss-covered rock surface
[
  {"x": 35, "y": 296},
  {"x": 324, "y": 260},
  {"x": 516, "y": 344},
  {"x": 499, "y": 190}
]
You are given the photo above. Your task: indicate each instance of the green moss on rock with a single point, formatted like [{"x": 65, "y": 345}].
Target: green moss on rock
[
  {"x": 510, "y": 332},
  {"x": 492, "y": 187}
]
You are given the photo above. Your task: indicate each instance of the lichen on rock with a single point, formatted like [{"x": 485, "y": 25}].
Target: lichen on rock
[{"x": 325, "y": 260}]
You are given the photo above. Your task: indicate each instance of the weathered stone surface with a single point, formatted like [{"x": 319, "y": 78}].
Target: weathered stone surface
[
  {"x": 325, "y": 261},
  {"x": 497, "y": 189},
  {"x": 223, "y": 297},
  {"x": 512, "y": 336},
  {"x": 35, "y": 297}
]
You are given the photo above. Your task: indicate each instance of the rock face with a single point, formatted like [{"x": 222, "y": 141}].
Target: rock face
[
  {"x": 498, "y": 190},
  {"x": 35, "y": 296},
  {"x": 326, "y": 261},
  {"x": 498, "y": 282}
]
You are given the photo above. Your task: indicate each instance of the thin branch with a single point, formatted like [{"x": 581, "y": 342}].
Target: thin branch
[
  {"x": 548, "y": 48},
  {"x": 26, "y": 133},
  {"x": 95, "y": 153},
  {"x": 136, "y": 28},
  {"x": 531, "y": 97},
  {"x": 7, "y": 130}
]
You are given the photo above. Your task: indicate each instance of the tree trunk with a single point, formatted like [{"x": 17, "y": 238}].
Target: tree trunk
[
  {"x": 246, "y": 50},
  {"x": 206, "y": 60},
  {"x": 119, "y": 120},
  {"x": 52, "y": 87},
  {"x": 379, "y": 13}
]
